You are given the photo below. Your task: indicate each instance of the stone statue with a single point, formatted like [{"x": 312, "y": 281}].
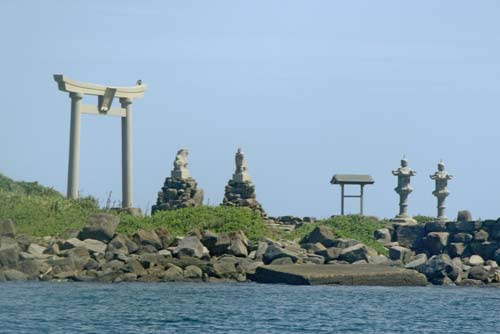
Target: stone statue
[
  {"x": 180, "y": 170},
  {"x": 404, "y": 173},
  {"x": 441, "y": 192},
  {"x": 241, "y": 174}
]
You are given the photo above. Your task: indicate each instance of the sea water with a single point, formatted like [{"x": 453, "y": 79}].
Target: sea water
[{"x": 37, "y": 307}]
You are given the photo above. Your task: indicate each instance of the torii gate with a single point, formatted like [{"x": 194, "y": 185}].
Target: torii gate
[{"x": 105, "y": 96}]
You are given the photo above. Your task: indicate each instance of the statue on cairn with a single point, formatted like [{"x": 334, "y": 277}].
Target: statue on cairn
[
  {"x": 240, "y": 191},
  {"x": 179, "y": 190},
  {"x": 441, "y": 191},
  {"x": 404, "y": 173}
]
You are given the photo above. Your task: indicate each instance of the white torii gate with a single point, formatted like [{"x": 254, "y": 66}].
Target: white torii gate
[{"x": 105, "y": 96}]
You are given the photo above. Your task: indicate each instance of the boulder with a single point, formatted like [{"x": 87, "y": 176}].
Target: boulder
[
  {"x": 191, "y": 246},
  {"x": 478, "y": 273},
  {"x": 468, "y": 226},
  {"x": 400, "y": 253},
  {"x": 437, "y": 226},
  {"x": 71, "y": 243},
  {"x": 435, "y": 242},
  {"x": 464, "y": 215},
  {"x": 9, "y": 255},
  {"x": 100, "y": 227},
  {"x": 344, "y": 243},
  {"x": 118, "y": 245},
  {"x": 274, "y": 252},
  {"x": 354, "y": 253},
  {"x": 330, "y": 253},
  {"x": 173, "y": 273},
  {"x": 33, "y": 268},
  {"x": 261, "y": 250},
  {"x": 313, "y": 248},
  {"x": 165, "y": 237},
  {"x": 36, "y": 249},
  {"x": 462, "y": 238},
  {"x": 383, "y": 235},
  {"x": 409, "y": 236},
  {"x": 485, "y": 249},
  {"x": 95, "y": 246},
  {"x": 416, "y": 261},
  {"x": 193, "y": 272},
  {"x": 481, "y": 236},
  {"x": 496, "y": 255},
  {"x": 224, "y": 267},
  {"x": 147, "y": 238},
  {"x": 475, "y": 260},
  {"x": 7, "y": 228},
  {"x": 282, "y": 261},
  {"x": 209, "y": 239},
  {"x": 314, "y": 258},
  {"x": 14, "y": 275},
  {"x": 456, "y": 249},
  {"x": 439, "y": 266},
  {"x": 378, "y": 259},
  {"x": 321, "y": 234}
]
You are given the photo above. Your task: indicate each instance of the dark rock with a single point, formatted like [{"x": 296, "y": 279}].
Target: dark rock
[
  {"x": 439, "y": 266},
  {"x": 496, "y": 256},
  {"x": 481, "y": 236},
  {"x": 209, "y": 239},
  {"x": 330, "y": 253},
  {"x": 435, "y": 242},
  {"x": 190, "y": 246},
  {"x": 400, "y": 253},
  {"x": 321, "y": 234},
  {"x": 468, "y": 226},
  {"x": 409, "y": 236},
  {"x": 462, "y": 237},
  {"x": 436, "y": 226},
  {"x": 344, "y": 243},
  {"x": 484, "y": 249},
  {"x": 9, "y": 255},
  {"x": 7, "y": 228},
  {"x": 282, "y": 261},
  {"x": 456, "y": 249},
  {"x": 464, "y": 215},
  {"x": 145, "y": 238},
  {"x": 274, "y": 252},
  {"x": 100, "y": 227},
  {"x": 354, "y": 253}
]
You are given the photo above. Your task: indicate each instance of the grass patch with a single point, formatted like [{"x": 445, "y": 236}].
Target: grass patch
[
  {"x": 217, "y": 219},
  {"x": 351, "y": 226},
  {"x": 26, "y": 188},
  {"x": 45, "y": 215}
]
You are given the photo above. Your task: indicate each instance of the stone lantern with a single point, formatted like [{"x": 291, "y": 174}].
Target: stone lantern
[
  {"x": 404, "y": 173},
  {"x": 441, "y": 191}
]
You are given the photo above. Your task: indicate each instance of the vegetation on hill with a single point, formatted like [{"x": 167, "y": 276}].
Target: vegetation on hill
[
  {"x": 26, "y": 188},
  {"x": 42, "y": 211}
]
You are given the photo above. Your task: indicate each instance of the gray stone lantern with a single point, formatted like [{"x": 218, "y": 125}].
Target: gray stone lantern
[
  {"x": 441, "y": 191},
  {"x": 404, "y": 174}
]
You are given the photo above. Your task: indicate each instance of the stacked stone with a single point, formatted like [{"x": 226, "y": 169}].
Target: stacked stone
[
  {"x": 240, "y": 191},
  {"x": 179, "y": 190}
]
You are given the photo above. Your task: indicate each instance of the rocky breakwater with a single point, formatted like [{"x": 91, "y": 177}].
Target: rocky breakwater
[
  {"x": 463, "y": 252},
  {"x": 98, "y": 254}
]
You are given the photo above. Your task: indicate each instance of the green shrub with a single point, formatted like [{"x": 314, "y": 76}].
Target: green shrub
[
  {"x": 424, "y": 219},
  {"x": 26, "y": 188},
  {"x": 351, "y": 226}
]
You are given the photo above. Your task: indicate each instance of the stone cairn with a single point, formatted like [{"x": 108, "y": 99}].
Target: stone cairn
[
  {"x": 179, "y": 190},
  {"x": 240, "y": 191},
  {"x": 404, "y": 173}
]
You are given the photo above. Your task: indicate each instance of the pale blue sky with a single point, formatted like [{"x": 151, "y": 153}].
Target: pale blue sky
[{"x": 307, "y": 89}]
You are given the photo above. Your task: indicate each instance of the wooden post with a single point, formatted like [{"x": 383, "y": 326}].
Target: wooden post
[
  {"x": 361, "y": 199},
  {"x": 342, "y": 199}
]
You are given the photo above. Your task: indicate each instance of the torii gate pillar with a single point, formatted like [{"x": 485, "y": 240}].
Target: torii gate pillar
[{"x": 105, "y": 96}]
